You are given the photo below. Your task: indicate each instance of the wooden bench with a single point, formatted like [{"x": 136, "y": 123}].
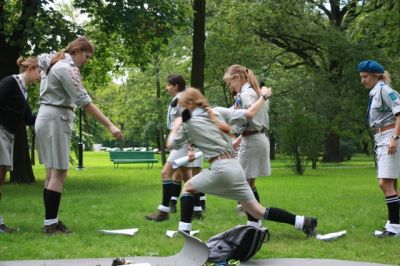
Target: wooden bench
[{"x": 120, "y": 157}]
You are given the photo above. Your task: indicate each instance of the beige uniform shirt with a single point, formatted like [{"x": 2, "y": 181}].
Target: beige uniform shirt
[
  {"x": 204, "y": 134},
  {"x": 62, "y": 86}
]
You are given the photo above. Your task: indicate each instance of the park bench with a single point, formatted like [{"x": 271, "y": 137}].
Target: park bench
[{"x": 120, "y": 157}]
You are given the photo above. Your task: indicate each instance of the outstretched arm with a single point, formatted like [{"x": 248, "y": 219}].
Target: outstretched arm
[{"x": 92, "y": 109}]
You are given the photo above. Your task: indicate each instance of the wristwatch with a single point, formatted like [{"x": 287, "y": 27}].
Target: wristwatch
[
  {"x": 396, "y": 137},
  {"x": 264, "y": 96}
]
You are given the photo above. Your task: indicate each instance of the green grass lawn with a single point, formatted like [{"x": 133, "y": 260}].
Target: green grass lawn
[{"x": 343, "y": 196}]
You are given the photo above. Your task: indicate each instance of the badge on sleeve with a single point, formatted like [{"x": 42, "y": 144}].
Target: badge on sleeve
[{"x": 393, "y": 96}]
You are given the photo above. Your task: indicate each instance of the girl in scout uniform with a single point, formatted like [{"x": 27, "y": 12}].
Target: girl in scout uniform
[
  {"x": 14, "y": 110},
  {"x": 383, "y": 116},
  {"x": 254, "y": 150},
  {"x": 61, "y": 91},
  {"x": 208, "y": 130},
  {"x": 171, "y": 188}
]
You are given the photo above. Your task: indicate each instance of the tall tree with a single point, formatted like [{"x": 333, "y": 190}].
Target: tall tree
[
  {"x": 25, "y": 26},
  {"x": 314, "y": 34},
  {"x": 199, "y": 37}
]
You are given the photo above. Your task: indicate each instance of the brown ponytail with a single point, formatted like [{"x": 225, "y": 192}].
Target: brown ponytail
[
  {"x": 192, "y": 95},
  {"x": 80, "y": 44},
  {"x": 243, "y": 73}
]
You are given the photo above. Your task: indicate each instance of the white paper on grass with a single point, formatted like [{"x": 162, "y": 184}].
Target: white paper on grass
[
  {"x": 171, "y": 233},
  {"x": 184, "y": 160},
  {"x": 129, "y": 232},
  {"x": 331, "y": 236}
]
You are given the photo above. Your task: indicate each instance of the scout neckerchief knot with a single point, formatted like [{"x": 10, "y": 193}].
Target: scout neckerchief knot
[
  {"x": 186, "y": 115},
  {"x": 174, "y": 103}
]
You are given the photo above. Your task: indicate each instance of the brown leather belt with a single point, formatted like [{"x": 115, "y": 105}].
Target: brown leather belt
[
  {"x": 384, "y": 128},
  {"x": 248, "y": 133},
  {"x": 59, "y": 106},
  {"x": 221, "y": 157}
]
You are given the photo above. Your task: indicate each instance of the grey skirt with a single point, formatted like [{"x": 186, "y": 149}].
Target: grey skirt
[
  {"x": 254, "y": 155},
  {"x": 6, "y": 148},
  {"x": 53, "y": 130},
  {"x": 225, "y": 178}
]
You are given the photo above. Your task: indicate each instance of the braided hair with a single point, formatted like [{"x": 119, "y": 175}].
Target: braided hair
[{"x": 192, "y": 95}]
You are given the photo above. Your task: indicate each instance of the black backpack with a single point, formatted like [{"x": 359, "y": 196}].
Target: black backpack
[{"x": 239, "y": 243}]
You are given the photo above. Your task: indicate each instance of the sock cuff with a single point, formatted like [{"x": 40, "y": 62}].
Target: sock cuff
[
  {"x": 167, "y": 182},
  {"x": 185, "y": 226},
  {"x": 266, "y": 213},
  {"x": 48, "y": 191},
  {"x": 50, "y": 221},
  {"x": 391, "y": 199},
  {"x": 257, "y": 224},
  {"x": 177, "y": 183},
  {"x": 197, "y": 208},
  {"x": 202, "y": 197},
  {"x": 299, "y": 222},
  {"x": 174, "y": 198},
  {"x": 186, "y": 194},
  {"x": 164, "y": 208}
]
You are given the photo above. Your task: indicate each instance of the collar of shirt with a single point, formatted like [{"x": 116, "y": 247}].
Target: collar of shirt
[
  {"x": 69, "y": 59},
  {"x": 197, "y": 111},
  {"x": 377, "y": 87},
  {"x": 21, "y": 84},
  {"x": 245, "y": 86}
]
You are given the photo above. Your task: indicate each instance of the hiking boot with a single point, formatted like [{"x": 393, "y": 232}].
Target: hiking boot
[
  {"x": 310, "y": 223},
  {"x": 172, "y": 206},
  {"x": 385, "y": 233},
  {"x": 56, "y": 228},
  {"x": 158, "y": 216},
  {"x": 4, "y": 229},
  {"x": 198, "y": 215},
  {"x": 240, "y": 211}
]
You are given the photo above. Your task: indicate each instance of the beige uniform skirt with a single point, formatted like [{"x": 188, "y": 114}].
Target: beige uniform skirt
[
  {"x": 53, "y": 130},
  {"x": 254, "y": 155},
  {"x": 224, "y": 178},
  {"x": 6, "y": 148},
  {"x": 388, "y": 165}
]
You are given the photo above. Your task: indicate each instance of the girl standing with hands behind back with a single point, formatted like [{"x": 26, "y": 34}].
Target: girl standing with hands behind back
[{"x": 60, "y": 93}]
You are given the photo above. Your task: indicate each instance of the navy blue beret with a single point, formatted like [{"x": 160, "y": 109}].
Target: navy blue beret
[{"x": 370, "y": 66}]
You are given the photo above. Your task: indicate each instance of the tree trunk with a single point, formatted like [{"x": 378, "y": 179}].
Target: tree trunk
[
  {"x": 272, "y": 143},
  {"x": 22, "y": 169},
  {"x": 332, "y": 148},
  {"x": 161, "y": 121},
  {"x": 298, "y": 166},
  {"x": 199, "y": 37}
]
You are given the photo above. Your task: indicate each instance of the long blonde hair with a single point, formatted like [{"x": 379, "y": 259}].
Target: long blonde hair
[
  {"x": 243, "y": 73},
  {"x": 192, "y": 95},
  {"x": 25, "y": 63},
  {"x": 385, "y": 76},
  {"x": 80, "y": 44}
]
